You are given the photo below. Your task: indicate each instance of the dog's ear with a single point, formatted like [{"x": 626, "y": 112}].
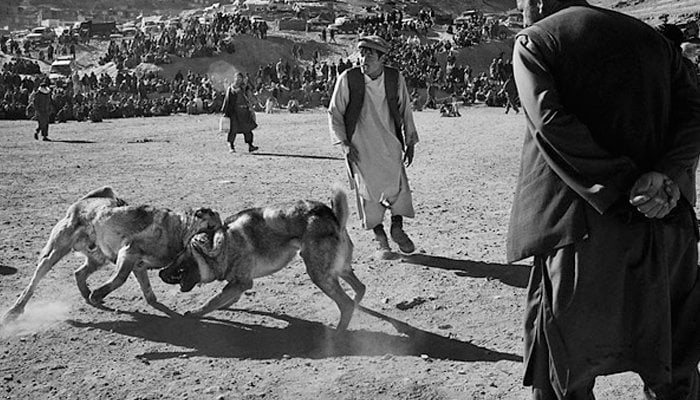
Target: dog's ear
[{"x": 190, "y": 274}]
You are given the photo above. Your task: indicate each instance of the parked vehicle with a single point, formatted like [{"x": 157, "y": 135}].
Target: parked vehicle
[
  {"x": 344, "y": 25},
  {"x": 45, "y": 31},
  {"x": 95, "y": 29},
  {"x": 515, "y": 21},
  {"x": 441, "y": 18},
  {"x": 61, "y": 68},
  {"x": 472, "y": 14},
  {"x": 316, "y": 22},
  {"x": 35, "y": 39},
  {"x": 128, "y": 30},
  {"x": 18, "y": 35},
  {"x": 40, "y": 36}
]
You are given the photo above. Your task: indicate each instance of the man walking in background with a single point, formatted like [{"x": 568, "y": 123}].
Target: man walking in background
[
  {"x": 42, "y": 109},
  {"x": 604, "y": 203},
  {"x": 370, "y": 118}
]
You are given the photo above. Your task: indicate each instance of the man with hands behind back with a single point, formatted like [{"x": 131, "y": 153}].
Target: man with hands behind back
[{"x": 604, "y": 203}]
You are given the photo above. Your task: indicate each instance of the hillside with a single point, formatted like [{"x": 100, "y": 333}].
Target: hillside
[
  {"x": 651, "y": 10},
  {"x": 643, "y": 9},
  {"x": 252, "y": 52}
]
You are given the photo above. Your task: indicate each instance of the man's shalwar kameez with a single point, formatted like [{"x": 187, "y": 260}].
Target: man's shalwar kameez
[{"x": 379, "y": 176}]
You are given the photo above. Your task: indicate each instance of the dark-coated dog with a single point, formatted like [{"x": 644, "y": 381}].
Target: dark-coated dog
[{"x": 261, "y": 241}]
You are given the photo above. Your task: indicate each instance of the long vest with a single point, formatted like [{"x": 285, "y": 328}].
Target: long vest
[{"x": 235, "y": 107}]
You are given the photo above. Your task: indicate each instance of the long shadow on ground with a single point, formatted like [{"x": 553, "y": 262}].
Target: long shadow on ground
[
  {"x": 224, "y": 338},
  {"x": 510, "y": 274},
  {"x": 298, "y": 156},
  {"x": 76, "y": 141}
]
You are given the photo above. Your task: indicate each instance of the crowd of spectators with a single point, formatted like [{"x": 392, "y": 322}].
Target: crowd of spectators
[
  {"x": 92, "y": 97},
  {"x": 190, "y": 38},
  {"x": 22, "y": 66},
  {"x": 95, "y": 97},
  {"x": 421, "y": 65},
  {"x": 470, "y": 32},
  {"x": 384, "y": 23},
  {"x": 18, "y": 48},
  {"x": 300, "y": 83}
]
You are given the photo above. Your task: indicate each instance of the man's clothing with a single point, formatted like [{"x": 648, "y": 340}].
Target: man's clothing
[
  {"x": 607, "y": 99},
  {"x": 692, "y": 71},
  {"x": 599, "y": 116},
  {"x": 236, "y": 107},
  {"x": 42, "y": 110},
  {"x": 379, "y": 176},
  {"x": 622, "y": 300}
]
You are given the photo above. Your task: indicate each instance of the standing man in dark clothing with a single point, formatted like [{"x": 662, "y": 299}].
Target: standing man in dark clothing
[
  {"x": 242, "y": 119},
  {"x": 42, "y": 110},
  {"x": 604, "y": 203},
  {"x": 510, "y": 90}
]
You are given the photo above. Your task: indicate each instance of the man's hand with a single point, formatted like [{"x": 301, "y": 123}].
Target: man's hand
[
  {"x": 408, "y": 155},
  {"x": 350, "y": 152},
  {"x": 654, "y": 194}
]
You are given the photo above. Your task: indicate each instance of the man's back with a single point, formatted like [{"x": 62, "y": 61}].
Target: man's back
[
  {"x": 606, "y": 99},
  {"x": 614, "y": 73}
]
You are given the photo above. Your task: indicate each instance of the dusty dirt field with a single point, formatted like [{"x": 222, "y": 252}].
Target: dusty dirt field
[{"x": 464, "y": 338}]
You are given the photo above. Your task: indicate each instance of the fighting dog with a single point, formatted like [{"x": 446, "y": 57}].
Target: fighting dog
[
  {"x": 106, "y": 230},
  {"x": 261, "y": 241}
]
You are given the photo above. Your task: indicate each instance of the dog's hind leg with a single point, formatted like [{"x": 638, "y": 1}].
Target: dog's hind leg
[
  {"x": 58, "y": 245},
  {"x": 228, "y": 295},
  {"x": 92, "y": 264},
  {"x": 127, "y": 258},
  {"x": 357, "y": 286},
  {"x": 319, "y": 266},
  {"x": 344, "y": 265},
  {"x": 95, "y": 259}
]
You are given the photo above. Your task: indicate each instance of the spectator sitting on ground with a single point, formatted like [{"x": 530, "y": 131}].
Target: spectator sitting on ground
[
  {"x": 293, "y": 106},
  {"x": 271, "y": 104},
  {"x": 447, "y": 109}
]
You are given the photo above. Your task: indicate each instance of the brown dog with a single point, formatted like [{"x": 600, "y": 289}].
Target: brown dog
[
  {"x": 104, "y": 229},
  {"x": 261, "y": 241}
]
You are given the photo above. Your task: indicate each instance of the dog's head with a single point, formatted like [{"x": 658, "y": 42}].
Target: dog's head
[
  {"x": 183, "y": 271},
  {"x": 200, "y": 220}
]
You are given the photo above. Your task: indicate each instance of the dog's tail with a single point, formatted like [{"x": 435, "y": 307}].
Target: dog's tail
[
  {"x": 340, "y": 206},
  {"x": 107, "y": 192}
]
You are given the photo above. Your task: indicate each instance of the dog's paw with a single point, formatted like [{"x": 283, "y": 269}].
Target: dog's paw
[
  {"x": 10, "y": 316},
  {"x": 96, "y": 298}
]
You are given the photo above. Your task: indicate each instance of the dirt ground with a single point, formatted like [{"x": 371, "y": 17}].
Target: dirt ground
[{"x": 457, "y": 301}]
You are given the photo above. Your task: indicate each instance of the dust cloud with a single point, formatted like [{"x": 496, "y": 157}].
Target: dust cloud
[{"x": 36, "y": 318}]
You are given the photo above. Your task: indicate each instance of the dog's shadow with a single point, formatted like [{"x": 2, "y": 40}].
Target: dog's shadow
[
  {"x": 220, "y": 338},
  {"x": 510, "y": 274}
]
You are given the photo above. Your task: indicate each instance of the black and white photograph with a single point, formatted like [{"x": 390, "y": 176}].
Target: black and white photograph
[{"x": 349, "y": 199}]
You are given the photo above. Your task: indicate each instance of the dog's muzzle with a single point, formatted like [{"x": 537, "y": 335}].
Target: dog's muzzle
[
  {"x": 171, "y": 274},
  {"x": 183, "y": 271}
]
